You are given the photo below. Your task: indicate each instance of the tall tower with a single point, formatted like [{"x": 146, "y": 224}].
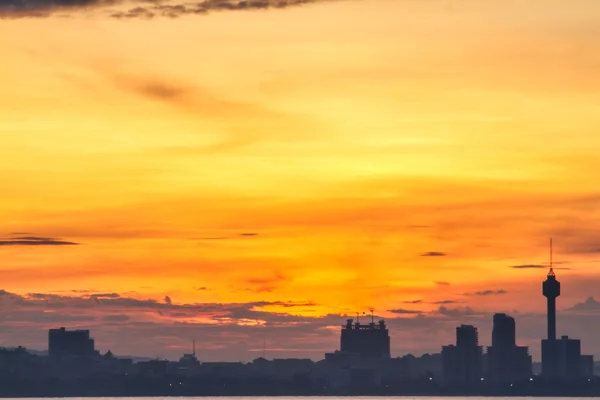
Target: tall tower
[{"x": 551, "y": 290}]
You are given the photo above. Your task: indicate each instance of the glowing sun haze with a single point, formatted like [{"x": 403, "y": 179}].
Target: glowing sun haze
[{"x": 232, "y": 175}]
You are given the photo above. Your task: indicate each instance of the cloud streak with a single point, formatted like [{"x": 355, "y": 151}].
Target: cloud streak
[
  {"x": 536, "y": 266},
  {"x": 156, "y": 8},
  {"x": 204, "y": 7},
  {"x": 35, "y": 241},
  {"x": 404, "y": 311},
  {"x": 487, "y": 292},
  {"x": 433, "y": 254}
]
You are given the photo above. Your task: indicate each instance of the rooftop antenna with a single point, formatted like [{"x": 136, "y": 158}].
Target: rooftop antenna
[
  {"x": 550, "y": 253},
  {"x": 194, "y": 348},
  {"x": 551, "y": 272},
  {"x": 265, "y": 349},
  {"x": 357, "y": 317},
  {"x": 372, "y": 315}
]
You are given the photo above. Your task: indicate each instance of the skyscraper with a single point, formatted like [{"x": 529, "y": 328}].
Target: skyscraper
[
  {"x": 507, "y": 362},
  {"x": 64, "y": 343},
  {"x": 504, "y": 331},
  {"x": 467, "y": 336},
  {"x": 372, "y": 340},
  {"x": 463, "y": 363}
]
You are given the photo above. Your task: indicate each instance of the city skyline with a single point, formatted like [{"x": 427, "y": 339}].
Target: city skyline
[
  {"x": 549, "y": 319},
  {"x": 229, "y": 178}
]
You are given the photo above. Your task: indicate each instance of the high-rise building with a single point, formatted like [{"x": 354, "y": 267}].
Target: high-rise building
[
  {"x": 371, "y": 340},
  {"x": 566, "y": 358},
  {"x": 504, "y": 331},
  {"x": 507, "y": 362},
  {"x": 587, "y": 366},
  {"x": 63, "y": 343},
  {"x": 462, "y": 363},
  {"x": 467, "y": 336}
]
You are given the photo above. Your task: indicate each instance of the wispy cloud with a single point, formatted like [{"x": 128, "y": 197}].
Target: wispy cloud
[
  {"x": 433, "y": 254},
  {"x": 487, "y": 292},
  {"x": 206, "y": 6},
  {"x": 537, "y": 266},
  {"x": 228, "y": 236},
  {"x": 457, "y": 312},
  {"x": 404, "y": 311},
  {"x": 446, "y": 302},
  {"x": 153, "y": 8},
  {"x": 590, "y": 305},
  {"x": 34, "y": 241}
]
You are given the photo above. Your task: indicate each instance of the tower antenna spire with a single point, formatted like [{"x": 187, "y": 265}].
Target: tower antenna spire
[
  {"x": 194, "y": 347},
  {"x": 550, "y": 253}
]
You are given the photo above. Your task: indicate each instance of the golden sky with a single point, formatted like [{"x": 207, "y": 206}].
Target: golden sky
[{"x": 325, "y": 159}]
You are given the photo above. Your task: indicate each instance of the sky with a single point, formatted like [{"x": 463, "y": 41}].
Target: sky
[{"x": 250, "y": 176}]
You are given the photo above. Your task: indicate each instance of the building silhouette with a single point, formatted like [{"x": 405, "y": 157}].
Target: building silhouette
[
  {"x": 587, "y": 366},
  {"x": 462, "y": 363},
  {"x": 368, "y": 341},
  {"x": 504, "y": 331},
  {"x": 507, "y": 362},
  {"x": 69, "y": 344}
]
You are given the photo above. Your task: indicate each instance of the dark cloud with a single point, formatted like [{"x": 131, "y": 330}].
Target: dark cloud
[
  {"x": 116, "y": 318},
  {"x": 539, "y": 266},
  {"x": 204, "y": 7},
  {"x": 590, "y": 305},
  {"x": 201, "y": 288},
  {"x": 457, "y": 312},
  {"x": 438, "y": 302},
  {"x": 106, "y": 295},
  {"x": 487, "y": 292},
  {"x": 111, "y": 301},
  {"x": 433, "y": 254},
  {"x": 134, "y": 13},
  {"x": 287, "y": 305},
  {"x": 44, "y": 8},
  {"x": 34, "y": 240},
  {"x": 248, "y": 234},
  {"x": 404, "y": 311}
]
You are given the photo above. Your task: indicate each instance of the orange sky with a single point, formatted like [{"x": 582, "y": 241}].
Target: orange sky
[{"x": 318, "y": 155}]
